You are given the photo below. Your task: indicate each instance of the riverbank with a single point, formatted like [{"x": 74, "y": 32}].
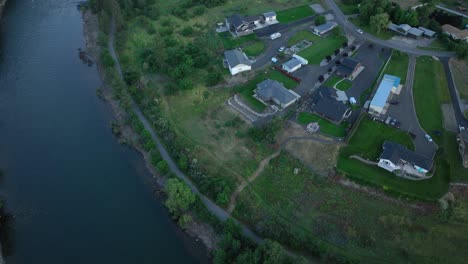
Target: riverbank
[{"x": 196, "y": 229}]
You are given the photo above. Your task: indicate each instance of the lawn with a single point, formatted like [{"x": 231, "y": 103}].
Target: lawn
[
  {"x": 332, "y": 80},
  {"x": 321, "y": 48},
  {"x": 459, "y": 70},
  {"x": 430, "y": 91},
  {"x": 326, "y": 127},
  {"x": 344, "y": 85},
  {"x": 295, "y": 13},
  {"x": 367, "y": 143},
  {"x": 229, "y": 42},
  {"x": 384, "y": 34},
  {"x": 308, "y": 212},
  {"x": 255, "y": 49},
  {"x": 303, "y": 35},
  {"x": 398, "y": 65}
]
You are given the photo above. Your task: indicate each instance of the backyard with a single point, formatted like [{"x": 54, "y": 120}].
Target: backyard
[
  {"x": 367, "y": 142},
  {"x": 326, "y": 127},
  {"x": 295, "y": 13},
  {"x": 254, "y": 49},
  {"x": 398, "y": 66},
  {"x": 324, "y": 46},
  {"x": 303, "y": 35}
]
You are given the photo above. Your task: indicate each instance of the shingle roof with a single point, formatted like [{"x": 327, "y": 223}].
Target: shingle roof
[
  {"x": 395, "y": 152},
  {"x": 384, "y": 89},
  {"x": 236, "y": 20},
  {"x": 325, "y": 104},
  {"x": 405, "y": 27},
  {"x": 326, "y": 26},
  {"x": 271, "y": 89},
  {"x": 347, "y": 66},
  {"x": 236, "y": 57},
  {"x": 460, "y": 34}
]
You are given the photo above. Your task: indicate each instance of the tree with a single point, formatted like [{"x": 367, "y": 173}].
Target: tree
[
  {"x": 320, "y": 20},
  {"x": 180, "y": 197},
  {"x": 321, "y": 78},
  {"x": 379, "y": 22}
]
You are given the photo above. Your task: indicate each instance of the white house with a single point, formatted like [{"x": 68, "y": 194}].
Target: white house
[
  {"x": 269, "y": 16},
  {"x": 303, "y": 61},
  {"x": 237, "y": 61},
  {"x": 292, "y": 65}
]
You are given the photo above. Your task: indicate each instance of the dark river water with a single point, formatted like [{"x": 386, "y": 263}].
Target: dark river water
[{"x": 76, "y": 194}]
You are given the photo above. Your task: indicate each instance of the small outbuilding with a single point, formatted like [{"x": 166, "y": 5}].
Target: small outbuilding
[
  {"x": 273, "y": 92},
  {"x": 237, "y": 61},
  {"x": 292, "y": 65},
  {"x": 324, "y": 28},
  {"x": 269, "y": 16}
]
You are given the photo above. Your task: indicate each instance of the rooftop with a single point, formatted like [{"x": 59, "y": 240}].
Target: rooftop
[
  {"x": 460, "y": 34},
  {"x": 464, "y": 135},
  {"x": 236, "y": 57},
  {"x": 427, "y": 32},
  {"x": 325, "y": 103},
  {"x": 395, "y": 152},
  {"x": 384, "y": 89},
  {"x": 325, "y": 27},
  {"x": 270, "y": 89},
  {"x": 347, "y": 66},
  {"x": 269, "y": 14},
  {"x": 292, "y": 63}
]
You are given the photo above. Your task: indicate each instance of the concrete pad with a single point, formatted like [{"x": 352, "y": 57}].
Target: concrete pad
[{"x": 318, "y": 8}]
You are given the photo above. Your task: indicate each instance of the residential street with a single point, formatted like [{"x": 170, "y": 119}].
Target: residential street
[{"x": 350, "y": 28}]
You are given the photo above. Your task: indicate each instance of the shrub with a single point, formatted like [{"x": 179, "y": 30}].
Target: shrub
[
  {"x": 162, "y": 167},
  {"x": 107, "y": 59}
]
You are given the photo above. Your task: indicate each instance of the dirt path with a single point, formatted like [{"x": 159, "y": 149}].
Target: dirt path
[{"x": 240, "y": 188}]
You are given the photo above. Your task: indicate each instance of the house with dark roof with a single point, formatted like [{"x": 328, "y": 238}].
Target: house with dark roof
[
  {"x": 273, "y": 92},
  {"x": 348, "y": 68},
  {"x": 244, "y": 25},
  {"x": 397, "y": 158},
  {"x": 463, "y": 146},
  {"x": 326, "y": 103},
  {"x": 324, "y": 28},
  {"x": 237, "y": 61}
]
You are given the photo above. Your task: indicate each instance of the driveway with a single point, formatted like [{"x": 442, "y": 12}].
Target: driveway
[
  {"x": 405, "y": 112},
  {"x": 350, "y": 28},
  {"x": 372, "y": 58}
]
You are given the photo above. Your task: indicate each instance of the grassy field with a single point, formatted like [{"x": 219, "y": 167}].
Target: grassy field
[
  {"x": 384, "y": 34},
  {"x": 398, "y": 66},
  {"x": 430, "y": 91},
  {"x": 321, "y": 48},
  {"x": 344, "y": 85},
  {"x": 326, "y": 127},
  {"x": 307, "y": 211},
  {"x": 230, "y": 42},
  {"x": 295, "y": 13},
  {"x": 247, "y": 90},
  {"x": 459, "y": 70},
  {"x": 303, "y": 35},
  {"x": 255, "y": 49},
  {"x": 367, "y": 143}
]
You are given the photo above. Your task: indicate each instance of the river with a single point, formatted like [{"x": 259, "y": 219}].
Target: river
[{"x": 76, "y": 194}]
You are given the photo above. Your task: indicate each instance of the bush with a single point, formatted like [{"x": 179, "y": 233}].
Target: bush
[
  {"x": 187, "y": 31},
  {"x": 321, "y": 78},
  {"x": 107, "y": 59},
  {"x": 162, "y": 167}
]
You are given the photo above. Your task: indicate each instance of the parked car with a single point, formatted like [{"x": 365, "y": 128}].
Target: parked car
[
  {"x": 428, "y": 138},
  {"x": 359, "y": 31},
  {"x": 393, "y": 102},
  {"x": 275, "y": 35},
  {"x": 281, "y": 49},
  {"x": 274, "y": 60}
]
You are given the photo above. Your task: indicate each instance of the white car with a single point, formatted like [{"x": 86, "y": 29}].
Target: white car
[
  {"x": 428, "y": 138},
  {"x": 281, "y": 49},
  {"x": 359, "y": 31}
]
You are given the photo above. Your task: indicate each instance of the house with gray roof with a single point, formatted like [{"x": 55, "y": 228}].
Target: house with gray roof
[
  {"x": 273, "y": 92},
  {"x": 397, "y": 158},
  {"x": 427, "y": 32},
  {"x": 327, "y": 103},
  {"x": 348, "y": 67},
  {"x": 406, "y": 30},
  {"x": 244, "y": 25},
  {"x": 292, "y": 65},
  {"x": 389, "y": 84},
  {"x": 237, "y": 61},
  {"x": 324, "y": 28}
]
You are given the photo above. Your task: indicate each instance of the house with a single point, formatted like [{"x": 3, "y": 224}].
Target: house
[
  {"x": 269, "y": 16},
  {"x": 324, "y": 28},
  {"x": 406, "y": 30},
  {"x": 240, "y": 25},
  {"x": 427, "y": 32},
  {"x": 463, "y": 146},
  {"x": 326, "y": 102},
  {"x": 389, "y": 84},
  {"x": 303, "y": 60},
  {"x": 397, "y": 158},
  {"x": 273, "y": 92},
  {"x": 292, "y": 65},
  {"x": 455, "y": 33},
  {"x": 237, "y": 61},
  {"x": 348, "y": 68}
]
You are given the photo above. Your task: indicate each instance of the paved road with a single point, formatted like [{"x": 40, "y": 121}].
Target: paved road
[
  {"x": 461, "y": 120},
  {"x": 351, "y": 29},
  {"x": 212, "y": 207},
  {"x": 451, "y": 11}
]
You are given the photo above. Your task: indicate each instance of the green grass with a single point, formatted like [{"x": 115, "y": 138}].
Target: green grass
[
  {"x": 295, "y": 13},
  {"x": 321, "y": 48},
  {"x": 278, "y": 76},
  {"x": 255, "y": 49},
  {"x": 367, "y": 143},
  {"x": 332, "y": 80},
  {"x": 344, "y": 85},
  {"x": 436, "y": 45},
  {"x": 326, "y": 127},
  {"x": 459, "y": 69},
  {"x": 398, "y": 66},
  {"x": 430, "y": 91},
  {"x": 452, "y": 155},
  {"x": 229, "y": 42},
  {"x": 384, "y": 34},
  {"x": 303, "y": 35}
]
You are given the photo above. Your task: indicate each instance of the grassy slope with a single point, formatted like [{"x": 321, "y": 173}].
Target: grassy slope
[
  {"x": 255, "y": 49},
  {"x": 321, "y": 48},
  {"x": 398, "y": 66},
  {"x": 293, "y": 14},
  {"x": 326, "y": 126}
]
